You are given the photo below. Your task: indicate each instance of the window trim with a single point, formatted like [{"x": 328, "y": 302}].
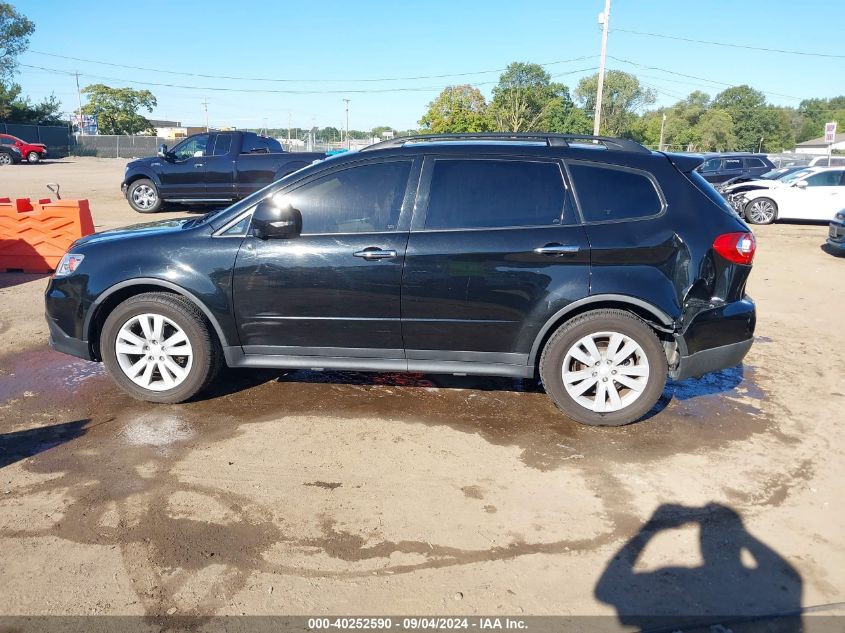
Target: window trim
[
  {"x": 423, "y": 196},
  {"x": 664, "y": 205}
]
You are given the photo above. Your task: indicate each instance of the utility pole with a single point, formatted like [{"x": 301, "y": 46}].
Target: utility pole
[
  {"x": 662, "y": 125},
  {"x": 347, "y": 122},
  {"x": 604, "y": 20},
  {"x": 205, "y": 105},
  {"x": 79, "y": 100}
]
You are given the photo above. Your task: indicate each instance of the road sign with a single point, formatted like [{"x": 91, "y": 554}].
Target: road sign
[{"x": 830, "y": 132}]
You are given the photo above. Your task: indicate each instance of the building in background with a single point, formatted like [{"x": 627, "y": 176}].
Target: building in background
[{"x": 817, "y": 146}]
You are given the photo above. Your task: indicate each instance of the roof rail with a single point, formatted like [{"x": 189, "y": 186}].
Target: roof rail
[{"x": 551, "y": 140}]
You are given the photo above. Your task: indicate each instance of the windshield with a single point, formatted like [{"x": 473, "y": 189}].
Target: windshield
[{"x": 795, "y": 175}]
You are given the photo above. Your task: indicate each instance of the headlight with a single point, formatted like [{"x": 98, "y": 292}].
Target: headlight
[
  {"x": 15, "y": 149},
  {"x": 70, "y": 262},
  {"x": 840, "y": 215}
]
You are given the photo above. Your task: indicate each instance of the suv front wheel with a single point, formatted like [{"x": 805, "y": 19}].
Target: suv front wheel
[
  {"x": 605, "y": 368},
  {"x": 159, "y": 347},
  {"x": 142, "y": 196}
]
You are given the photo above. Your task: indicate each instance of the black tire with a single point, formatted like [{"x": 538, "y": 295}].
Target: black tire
[
  {"x": 207, "y": 354},
  {"x": 760, "y": 217},
  {"x": 568, "y": 334},
  {"x": 33, "y": 157},
  {"x": 138, "y": 201}
]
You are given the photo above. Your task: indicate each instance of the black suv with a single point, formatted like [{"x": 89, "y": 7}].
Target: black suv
[
  {"x": 591, "y": 262},
  {"x": 721, "y": 167}
]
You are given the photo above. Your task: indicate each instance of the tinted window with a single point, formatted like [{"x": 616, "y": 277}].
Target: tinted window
[
  {"x": 361, "y": 199},
  {"x": 223, "y": 144},
  {"x": 613, "y": 194},
  {"x": 733, "y": 163},
  {"x": 824, "y": 179},
  {"x": 712, "y": 165},
  {"x": 754, "y": 163},
  {"x": 255, "y": 145},
  {"x": 7, "y": 141},
  {"x": 494, "y": 193},
  {"x": 194, "y": 146}
]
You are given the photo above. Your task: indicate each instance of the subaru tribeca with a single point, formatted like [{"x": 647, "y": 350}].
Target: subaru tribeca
[{"x": 590, "y": 262}]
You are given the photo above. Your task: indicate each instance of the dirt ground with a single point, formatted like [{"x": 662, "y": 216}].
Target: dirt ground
[{"x": 341, "y": 493}]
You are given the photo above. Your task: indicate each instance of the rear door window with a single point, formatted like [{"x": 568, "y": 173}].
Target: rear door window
[
  {"x": 496, "y": 193},
  {"x": 222, "y": 144},
  {"x": 754, "y": 163},
  {"x": 608, "y": 193},
  {"x": 255, "y": 145},
  {"x": 732, "y": 163}
]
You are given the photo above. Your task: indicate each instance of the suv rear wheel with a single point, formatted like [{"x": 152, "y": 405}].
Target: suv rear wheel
[
  {"x": 159, "y": 347},
  {"x": 605, "y": 368}
]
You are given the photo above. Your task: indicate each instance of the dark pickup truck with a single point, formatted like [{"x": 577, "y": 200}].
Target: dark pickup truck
[{"x": 212, "y": 168}]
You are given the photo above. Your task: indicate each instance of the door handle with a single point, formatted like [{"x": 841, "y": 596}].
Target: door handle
[
  {"x": 198, "y": 165},
  {"x": 373, "y": 252},
  {"x": 557, "y": 250}
]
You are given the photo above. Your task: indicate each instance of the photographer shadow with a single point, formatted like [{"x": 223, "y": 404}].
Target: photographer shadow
[{"x": 742, "y": 582}]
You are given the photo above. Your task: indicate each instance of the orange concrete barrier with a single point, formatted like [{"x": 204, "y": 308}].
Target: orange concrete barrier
[{"x": 35, "y": 235}]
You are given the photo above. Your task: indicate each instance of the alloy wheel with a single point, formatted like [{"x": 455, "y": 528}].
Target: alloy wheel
[
  {"x": 144, "y": 197},
  {"x": 605, "y": 371},
  {"x": 154, "y": 352},
  {"x": 761, "y": 212}
]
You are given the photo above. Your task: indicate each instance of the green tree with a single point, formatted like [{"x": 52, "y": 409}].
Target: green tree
[
  {"x": 378, "y": 130},
  {"x": 457, "y": 109},
  {"x": 623, "y": 96},
  {"x": 117, "y": 109},
  {"x": 526, "y": 100},
  {"x": 15, "y": 108},
  {"x": 330, "y": 134},
  {"x": 714, "y": 131},
  {"x": 15, "y": 30},
  {"x": 562, "y": 116},
  {"x": 814, "y": 113},
  {"x": 757, "y": 125}
]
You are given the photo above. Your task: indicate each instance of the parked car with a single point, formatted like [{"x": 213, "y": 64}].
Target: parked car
[
  {"x": 213, "y": 168},
  {"x": 836, "y": 233},
  {"x": 31, "y": 152},
  {"x": 9, "y": 155},
  {"x": 774, "y": 174},
  {"x": 817, "y": 195},
  {"x": 734, "y": 193},
  {"x": 828, "y": 161},
  {"x": 720, "y": 167},
  {"x": 599, "y": 266}
]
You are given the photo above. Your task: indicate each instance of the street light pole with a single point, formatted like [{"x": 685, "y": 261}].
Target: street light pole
[
  {"x": 662, "y": 125},
  {"x": 347, "y": 122},
  {"x": 604, "y": 20}
]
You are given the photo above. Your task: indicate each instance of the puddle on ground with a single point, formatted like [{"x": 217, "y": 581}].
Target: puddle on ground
[{"x": 709, "y": 411}]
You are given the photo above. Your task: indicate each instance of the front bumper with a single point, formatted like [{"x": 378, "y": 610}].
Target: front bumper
[
  {"x": 716, "y": 338},
  {"x": 836, "y": 235},
  {"x": 61, "y": 342}
]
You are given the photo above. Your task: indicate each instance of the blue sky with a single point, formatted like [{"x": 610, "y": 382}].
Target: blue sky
[{"x": 330, "y": 42}]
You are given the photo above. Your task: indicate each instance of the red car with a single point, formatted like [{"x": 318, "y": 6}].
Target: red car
[{"x": 31, "y": 152}]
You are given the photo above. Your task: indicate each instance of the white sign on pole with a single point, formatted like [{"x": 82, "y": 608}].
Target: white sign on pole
[{"x": 830, "y": 132}]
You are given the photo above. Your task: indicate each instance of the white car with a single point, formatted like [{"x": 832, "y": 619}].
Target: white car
[{"x": 817, "y": 195}]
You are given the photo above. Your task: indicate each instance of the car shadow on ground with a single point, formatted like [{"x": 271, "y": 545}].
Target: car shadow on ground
[
  {"x": 827, "y": 248},
  {"x": 741, "y": 582},
  {"x": 19, "y": 445}
]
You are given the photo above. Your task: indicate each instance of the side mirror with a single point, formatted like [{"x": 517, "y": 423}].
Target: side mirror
[
  {"x": 801, "y": 184},
  {"x": 270, "y": 221},
  {"x": 162, "y": 150}
]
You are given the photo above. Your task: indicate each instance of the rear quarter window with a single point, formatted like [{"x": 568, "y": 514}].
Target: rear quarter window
[{"x": 608, "y": 194}]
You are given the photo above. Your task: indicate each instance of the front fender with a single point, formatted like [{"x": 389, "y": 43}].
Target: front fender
[{"x": 137, "y": 173}]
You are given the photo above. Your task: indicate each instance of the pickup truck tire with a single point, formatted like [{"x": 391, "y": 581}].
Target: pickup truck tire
[
  {"x": 33, "y": 157},
  {"x": 604, "y": 368},
  {"x": 159, "y": 347},
  {"x": 142, "y": 196}
]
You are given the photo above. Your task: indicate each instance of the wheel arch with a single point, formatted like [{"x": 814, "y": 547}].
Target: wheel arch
[
  {"x": 141, "y": 175},
  {"x": 120, "y": 292},
  {"x": 660, "y": 321}
]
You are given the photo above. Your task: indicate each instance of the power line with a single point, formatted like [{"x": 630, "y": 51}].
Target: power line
[
  {"x": 291, "y": 80},
  {"x": 744, "y": 46},
  {"x": 712, "y": 81},
  {"x": 275, "y": 91}
]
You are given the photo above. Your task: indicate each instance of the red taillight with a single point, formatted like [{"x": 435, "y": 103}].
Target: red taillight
[{"x": 737, "y": 248}]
